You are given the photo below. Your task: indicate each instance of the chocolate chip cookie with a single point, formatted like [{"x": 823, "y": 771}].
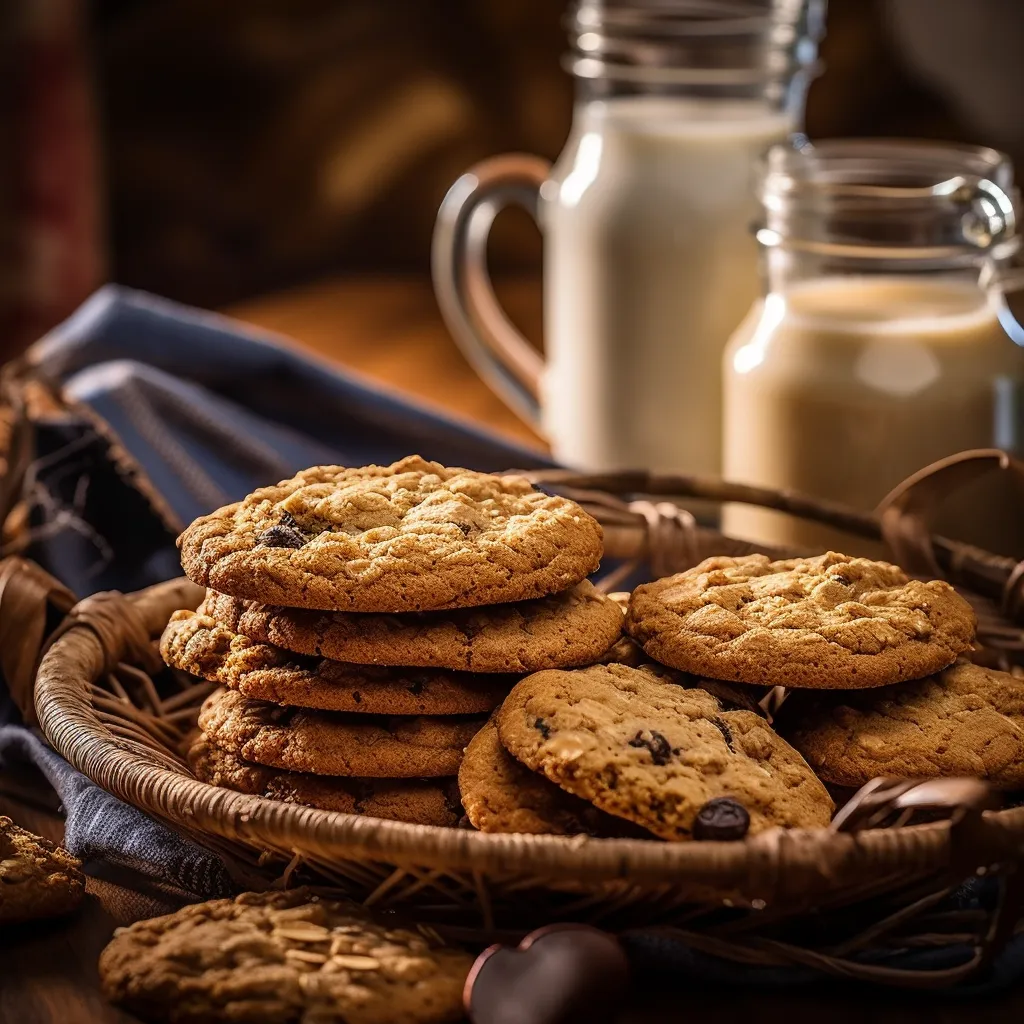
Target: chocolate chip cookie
[
  {"x": 37, "y": 879},
  {"x": 326, "y": 743},
  {"x": 502, "y": 795},
  {"x": 575, "y": 627},
  {"x": 830, "y": 622},
  {"x": 203, "y": 646},
  {"x": 412, "y": 536},
  {"x": 416, "y": 801},
  {"x": 967, "y": 720},
  {"x": 282, "y": 958},
  {"x": 654, "y": 752}
]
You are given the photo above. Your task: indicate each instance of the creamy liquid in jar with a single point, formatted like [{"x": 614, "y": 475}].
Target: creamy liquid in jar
[
  {"x": 841, "y": 387},
  {"x": 649, "y": 266}
]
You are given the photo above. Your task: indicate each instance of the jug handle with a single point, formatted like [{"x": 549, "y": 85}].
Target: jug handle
[{"x": 506, "y": 361}]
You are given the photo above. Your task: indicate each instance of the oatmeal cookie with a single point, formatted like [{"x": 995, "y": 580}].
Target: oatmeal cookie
[
  {"x": 830, "y": 622},
  {"x": 412, "y": 536},
  {"x": 656, "y": 753}
]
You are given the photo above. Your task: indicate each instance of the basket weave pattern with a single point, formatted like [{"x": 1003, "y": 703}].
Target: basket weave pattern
[{"x": 810, "y": 897}]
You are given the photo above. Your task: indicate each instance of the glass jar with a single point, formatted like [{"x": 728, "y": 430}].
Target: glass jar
[
  {"x": 884, "y": 342},
  {"x": 648, "y": 259}
]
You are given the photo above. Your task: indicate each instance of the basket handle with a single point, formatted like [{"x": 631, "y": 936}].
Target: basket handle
[
  {"x": 905, "y": 511},
  {"x": 28, "y": 595}
]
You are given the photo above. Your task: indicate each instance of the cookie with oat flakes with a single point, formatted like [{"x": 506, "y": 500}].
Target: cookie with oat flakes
[
  {"x": 967, "y": 720},
  {"x": 37, "y": 879},
  {"x": 830, "y": 622},
  {"x": 330, "y": 743},
  {"x": 201, "y": 645},
  {"x": 415, "y": 801},
  {"x": 412, "y": 536},
  {"x": 282, "y": 958},
  {"x": 666, "y": 757},
  {"x": 574, "y": 627}
]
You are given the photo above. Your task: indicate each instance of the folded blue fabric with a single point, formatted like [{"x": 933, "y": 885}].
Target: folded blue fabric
[{"x": 210, "y": 409}]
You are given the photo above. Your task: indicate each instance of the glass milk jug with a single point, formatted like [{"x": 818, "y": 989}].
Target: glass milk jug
[
  {"x": 648, "y": 259},
  {"x": 884, "y": 342}
]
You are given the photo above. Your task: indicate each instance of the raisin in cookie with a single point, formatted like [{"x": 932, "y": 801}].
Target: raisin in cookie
[
  {"x": 563, "y": 630},
  {"x": 830, "y": 622},
  {"x": 653, "y": 752},
  {"x": 412, "y": 536},
  {"x": 199, "y": 644},
  {"x": 414, "y": 801},
  {"x": 502, "y": 795},
  {"x": 37, "y": 879},
  {"x": 967, "y": 720},
  {"x": 282, "y": 958}
]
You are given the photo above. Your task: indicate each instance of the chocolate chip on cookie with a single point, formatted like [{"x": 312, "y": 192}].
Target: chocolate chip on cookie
[
  {"x": 394, "y": 539},
  {"x": 282, "y": 956},
  {"x": 830, "y": 622},
  {"x": 655, "y": 752},
  {"x": 327, "y": 743},
  {"x": 575, "y": 627}
]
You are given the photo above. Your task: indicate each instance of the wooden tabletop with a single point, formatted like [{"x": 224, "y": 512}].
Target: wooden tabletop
[{"x": 389, "y": 330}]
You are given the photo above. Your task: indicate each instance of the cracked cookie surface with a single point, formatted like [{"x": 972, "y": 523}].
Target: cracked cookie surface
[
  {"x": 575, "y": 627},
  {"x": 967, "y": 720},
  {"x": 830, "y": 622},
  {"x": 37, "y": 879},
  {"x": 201, "y": 645},
  {"x": 282, "y": 958},
  {"x": 415, "y": 801},
  {"x": 411, "y": 536},
  {"x": 651, "y": 751},
  {"x": 328, "y": 743},
  {"x": 502, "y": 795}
]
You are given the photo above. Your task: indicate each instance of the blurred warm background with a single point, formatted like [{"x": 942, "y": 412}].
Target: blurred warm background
[{"x": 212, "y": 152}]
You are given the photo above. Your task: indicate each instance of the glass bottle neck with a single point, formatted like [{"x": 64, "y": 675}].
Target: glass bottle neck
[{"x": 761, "y": 51}]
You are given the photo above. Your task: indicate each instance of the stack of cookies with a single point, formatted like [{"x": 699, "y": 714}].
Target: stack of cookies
[
  {"x": 874, "y": 663},
  {"x": 362, "y": 623}
]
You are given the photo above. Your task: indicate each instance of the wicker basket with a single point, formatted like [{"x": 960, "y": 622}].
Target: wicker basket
[{"x": 812, "y": 897}]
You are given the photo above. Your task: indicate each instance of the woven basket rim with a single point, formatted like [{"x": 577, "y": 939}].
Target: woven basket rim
[{"x": 774, "y": 860}]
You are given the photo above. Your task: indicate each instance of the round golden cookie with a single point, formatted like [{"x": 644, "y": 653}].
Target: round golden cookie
[
  {"x": 501, "y": 795},
  {"x": 412, "y": 536},
  {"x": 199, "y": 644},
  {"x": 415, "y": 801},
  {"x": 646, "y": 749},
  {"x": 830, "y": 622},
  {"x": 563, "y": 630},
  {"x": 276, "y": 957},
  {"x": 326, "y": 743},
  {"x": 37, "y": 879},
  {"x": 967, "y": 720}
]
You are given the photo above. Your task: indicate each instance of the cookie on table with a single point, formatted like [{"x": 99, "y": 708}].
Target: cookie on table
[
  {"x": 328, "y": 743},
  {"x": 502, "y": 795},
  {"x": 281, "y": 958},
  {"x": 967, "y": 720},
  {"x": 203, "y": 646},
  {"x": 412, "y": 536},
  {"x": 37, "y": 879},
  {"x": 830, "y": 622},
  {"x": 574, "y": 627},
  {"x": 414, "y": 801},
  {"x": 661, "y": 755}
]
